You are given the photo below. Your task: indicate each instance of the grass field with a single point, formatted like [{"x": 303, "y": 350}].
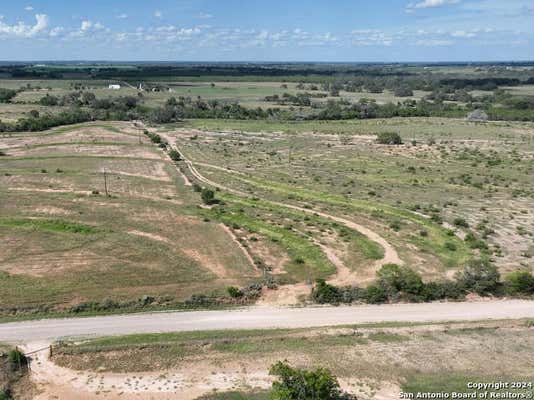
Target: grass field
[
  {"x": 451, "y": 170},
  {"x": 64, "y": 242}
]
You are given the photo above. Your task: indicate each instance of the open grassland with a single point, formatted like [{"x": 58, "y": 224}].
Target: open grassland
[
  {"x": 64, "y": 242},
  {"x": 412, "y": 195},
  {"x": 371, "y": 361}
]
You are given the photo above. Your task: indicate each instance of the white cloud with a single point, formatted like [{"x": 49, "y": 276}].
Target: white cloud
[
  {"x": 371, "y": 37},
  {"x": 204, "y": 15},
  {"x": 57, "y": 31},
  {"x": 463, "y": 34},
  {"x": 430, "y": 4},
  {"x": 122, "y": 16},
  {"x": 28, "y": 8},
  {"x": 22, "y": 30},
  {"x": 158, "y": 14},
  {"x": 86, "y": 25},
  {"x": 434, "y": 42}
]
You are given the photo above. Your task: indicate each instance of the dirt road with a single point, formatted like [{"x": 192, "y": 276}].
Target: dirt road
[
  {"x": 390, "y": 254},
  {"x": 262, "y": 317}
]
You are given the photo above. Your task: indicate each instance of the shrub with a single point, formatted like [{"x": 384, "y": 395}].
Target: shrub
[
  {"x": 5, "y": 394},
  {"x": 450, "y": 246},
  {"x": 391, "y": 138},
  {"x": 395, "y": 280},
  {"x": 324, "y": 293},
  {"x": 300, "y": 384},
  {"x": 460, "y": 222},
  {"x": 480, "y": 276},
  {"x": 442, "y": 290},
  {"x": 520, "y": 282},
  {"x": 175, "y": 155},
  {"x": 375, "y": 294},
  {"x": 17, "y": 359},
  {"x": 234, "y": 292},
  {"x": 208, "y": 196}
]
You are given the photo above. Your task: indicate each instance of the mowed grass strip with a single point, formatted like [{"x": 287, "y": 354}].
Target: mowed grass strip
[
  {"x": 307, "y": 259},
  {"x": 50, "y": 225}
]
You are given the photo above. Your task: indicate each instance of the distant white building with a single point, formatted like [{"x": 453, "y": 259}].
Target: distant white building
[{"x": 114, "y": 87}]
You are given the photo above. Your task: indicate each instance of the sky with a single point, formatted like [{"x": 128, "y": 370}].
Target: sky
[{"x": 267, "y": 30}]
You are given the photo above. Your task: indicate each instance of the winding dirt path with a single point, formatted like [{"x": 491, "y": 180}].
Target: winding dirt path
[
  {"x": 390, "y": 254},
  {"x": 290, "y": 294}
]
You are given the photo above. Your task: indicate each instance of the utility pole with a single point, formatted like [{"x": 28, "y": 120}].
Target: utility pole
[{"x": 106, "y": 183}]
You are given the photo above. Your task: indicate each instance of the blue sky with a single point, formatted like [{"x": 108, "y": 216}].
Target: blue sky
[{"x": 267, "y": 30}]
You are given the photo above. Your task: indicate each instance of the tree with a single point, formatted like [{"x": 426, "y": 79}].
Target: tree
[
  {"x": 391, "y": 138},
  {"x": 175, "y": 155},
  {"x": 300, "y": 384},
  {"x": 208, "y": 196},
  {"x": 6, "y": 95},
  {"x": 403, "y": 91},
  {"x": 49, "y": 100}
]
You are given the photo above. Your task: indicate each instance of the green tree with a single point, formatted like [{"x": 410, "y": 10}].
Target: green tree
[
  {"x": 300, "y": 384},
  {"x": 208, "y": 196},
  {"x": 175, "y": 155}
]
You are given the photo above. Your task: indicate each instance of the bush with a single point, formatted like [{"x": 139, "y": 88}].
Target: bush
[
  {"x": 324, "y": 293},
  {"x": 461, "y": 223},
  {"x": 208, "y": 196},
  {"x": 389, "y": 138},
  {"x": 5, "y": 394},
  {"x": 450, "y": 246},
  {"x": 480, "y": 276},
  {"x": 396, "y": 280},
  {"x": 17, "y": 360},
  {"x": 234, "y": 292},
  {"x": 300, "y": 384},
  {"x": 375, "y": 294},
  {"x": 175, "y": 155},
  {"x": 520, "y": 282},
  {"x": 442, "y": 290}
]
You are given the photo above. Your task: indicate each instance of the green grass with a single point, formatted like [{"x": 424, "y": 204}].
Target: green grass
[
  {"x": 308, "y": 262},
  {"x": 50, "y": 225},
  {"x": 359, "y": 243}
]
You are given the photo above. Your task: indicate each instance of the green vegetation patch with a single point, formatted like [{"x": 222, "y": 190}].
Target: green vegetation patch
[{"x": 50, "y": 225}]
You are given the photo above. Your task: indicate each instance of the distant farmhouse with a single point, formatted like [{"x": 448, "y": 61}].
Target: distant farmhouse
[{"x": 114, "y": 87}]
